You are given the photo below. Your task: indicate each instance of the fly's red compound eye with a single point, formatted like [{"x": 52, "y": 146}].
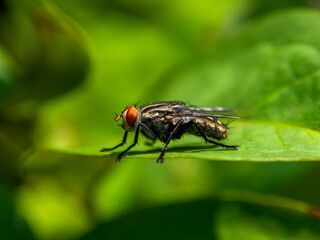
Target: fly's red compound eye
[
  {"x": 131, "y": 116},
  {"x": 129, "y": 106}
]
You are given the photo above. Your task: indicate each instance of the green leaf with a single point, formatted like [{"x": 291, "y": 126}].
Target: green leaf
[{"x": 284, "y": 143}]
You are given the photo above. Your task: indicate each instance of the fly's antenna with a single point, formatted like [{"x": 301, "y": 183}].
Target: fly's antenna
[{"x": 117, "y": 117}]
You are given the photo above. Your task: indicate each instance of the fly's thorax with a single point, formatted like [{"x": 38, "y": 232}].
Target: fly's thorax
[
  {"x": 131, "y": 116},
  {"x": 161, "y": 109}
]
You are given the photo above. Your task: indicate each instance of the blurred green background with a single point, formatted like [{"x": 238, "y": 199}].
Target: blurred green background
[{"x": 67, "y": 66}]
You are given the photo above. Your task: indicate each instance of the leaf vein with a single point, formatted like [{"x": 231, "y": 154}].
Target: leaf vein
[{"x": 281, "y": 139}]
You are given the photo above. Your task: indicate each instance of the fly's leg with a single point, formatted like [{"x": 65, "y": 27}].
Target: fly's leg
[
  {"x": 120, "y": 144},
  {"x": 174, "y": 131},
  {"x": 233, "y": 147},
  {"x": 132, "y": 145},
  {"x": 207, "y": 139}
]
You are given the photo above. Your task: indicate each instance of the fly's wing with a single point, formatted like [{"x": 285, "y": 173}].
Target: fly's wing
[
  {"x": 176, "y": 106},
  {"x": 180, "y": 109},
  {"x": 202, "y": 115},
  {"x": 211, "y": 109},
  {"x": 204, "y": 112}
]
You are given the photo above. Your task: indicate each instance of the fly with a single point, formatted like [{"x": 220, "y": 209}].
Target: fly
[{"x": 167, "y": 121}]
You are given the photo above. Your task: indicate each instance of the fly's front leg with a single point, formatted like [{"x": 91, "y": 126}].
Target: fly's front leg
[
  {"x": 120, "y": 144},
  {"x": 174, "y": 131},
  {"x": 207, "y": 139},
  {"x": 132, "y": 145}
]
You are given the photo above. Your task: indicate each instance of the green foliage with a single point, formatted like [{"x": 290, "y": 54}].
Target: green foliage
[
  {"x": 6, "y": 73},
  {"x": 268, "y": 72},
  {"x": 12, "y": 226},
  {"x": 47, "y": 45},
  {"x": 210, "y": 219},
  {"x": 56, "y": 113}
]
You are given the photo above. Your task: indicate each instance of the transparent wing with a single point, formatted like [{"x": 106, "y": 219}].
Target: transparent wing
[
  {"x": 211, "y": 109},
  {"x": 203, "y": 115}
]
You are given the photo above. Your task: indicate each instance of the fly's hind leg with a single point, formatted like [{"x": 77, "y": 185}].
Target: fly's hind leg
[
  {"x": 120, "y": 144},
  {"x": 233, "y": 147},
  {"x": 207, "y": 139}
]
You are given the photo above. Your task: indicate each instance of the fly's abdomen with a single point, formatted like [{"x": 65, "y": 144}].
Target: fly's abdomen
[{"x": 211, "y": 127}]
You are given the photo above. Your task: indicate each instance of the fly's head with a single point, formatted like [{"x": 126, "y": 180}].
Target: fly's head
[{"x": 131, "y": 116}]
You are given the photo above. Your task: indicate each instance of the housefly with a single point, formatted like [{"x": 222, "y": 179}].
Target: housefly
[{"x": 167, "y": 121}]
